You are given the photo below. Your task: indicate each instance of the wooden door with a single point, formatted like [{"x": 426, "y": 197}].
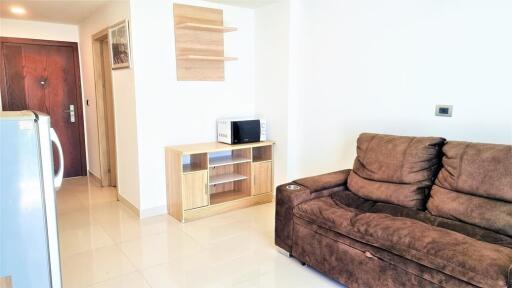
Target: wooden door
[
  {"x": 195, "y": 190},
  {"x": 261, "y": 177},
  {"x": 44, "y": 76}
]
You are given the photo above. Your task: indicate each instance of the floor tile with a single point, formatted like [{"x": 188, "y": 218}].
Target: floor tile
[
  {"x": 78, "y": 240},
  {"x": 123, "y": 225},
  {"x": 81, "y": 218},
  {"x": 131, "y": 280},
  {"x": 94, "y": 266},
  {"x": 104, "y": 244},
  {"x": 160, "y": 248}
]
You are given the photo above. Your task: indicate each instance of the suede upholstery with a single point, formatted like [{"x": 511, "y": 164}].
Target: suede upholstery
[
  {"x": 477, "y": 169},
  {"x": 369, "y": 230},
  {"x": 482, "y": 212},
  {"x": 324, "y": 181},
  {"x": 462, "y": 257},
  {"x": 287, "y": 200},
  {"x": 347, "y": 199},
  {"x": 395, "y": 169},
  {"x": 475, "y": 186},
  {"x": 355, "y": 264}
]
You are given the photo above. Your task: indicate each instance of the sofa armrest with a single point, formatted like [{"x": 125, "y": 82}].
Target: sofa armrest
[{"x": 303, "y": 189}]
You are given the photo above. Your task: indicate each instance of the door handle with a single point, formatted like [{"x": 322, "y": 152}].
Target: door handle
[{"x": 71, "y": 112}]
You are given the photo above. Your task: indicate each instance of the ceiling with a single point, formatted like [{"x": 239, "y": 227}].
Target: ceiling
[
  {"x": 60, "y": 11},
  {"x": 76, "y": 11},
  {"x": 245, "y": 3}
]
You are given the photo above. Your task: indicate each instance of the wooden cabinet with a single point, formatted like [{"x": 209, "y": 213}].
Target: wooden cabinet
[
  {"x": 195, "y": 190},
  {"x": 5, "y": 282},
  {"x": 261, "y": 177},
  {"x": 212, "y": 178}
]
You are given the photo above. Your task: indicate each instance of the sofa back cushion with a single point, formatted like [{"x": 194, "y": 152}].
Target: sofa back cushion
[
  {"x": 395, "y": 169},
  {"x": 475, "y": 186}
]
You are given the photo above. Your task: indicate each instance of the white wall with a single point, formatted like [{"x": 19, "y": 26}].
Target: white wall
[
  {"x": 272, "y": 52},
  {"x": 382, "y": 66},
  {"x": 171, "y": 112},
  {"x": 124, "y": 103},
  {"x": 38, "y": 30}
]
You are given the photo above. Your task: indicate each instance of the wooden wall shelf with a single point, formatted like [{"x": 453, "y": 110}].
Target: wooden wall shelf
[
  {"x": 203, "y": 28},
  {"x": 206, "y": 27},
  {"x": 211, "y": 178}
]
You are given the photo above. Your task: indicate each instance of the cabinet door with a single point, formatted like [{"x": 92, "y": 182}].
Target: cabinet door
[
  {"x": 261, "y": 178},
  {"x": 195, "y": 190}
]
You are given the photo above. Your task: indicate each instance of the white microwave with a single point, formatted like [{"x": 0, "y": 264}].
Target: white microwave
[{"x": 232, "y": 131}]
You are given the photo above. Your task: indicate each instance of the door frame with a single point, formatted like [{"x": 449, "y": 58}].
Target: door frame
[
  {"x": 78, "y": 84},
  {"x": 103, "y": 91}
]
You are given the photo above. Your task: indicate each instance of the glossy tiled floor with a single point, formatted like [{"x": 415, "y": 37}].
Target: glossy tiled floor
[{"x": 103, "y": 244}]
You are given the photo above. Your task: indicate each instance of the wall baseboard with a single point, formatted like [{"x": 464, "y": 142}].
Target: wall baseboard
[
  {"x": 146, "y": 213},
  {"x": 154, "y": 211},
  {"x": 128, "y": 204},
  {"x": 94, "y": 177}
]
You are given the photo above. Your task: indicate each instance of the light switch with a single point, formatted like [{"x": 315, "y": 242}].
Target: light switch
[{"x": 444, "y": 110}]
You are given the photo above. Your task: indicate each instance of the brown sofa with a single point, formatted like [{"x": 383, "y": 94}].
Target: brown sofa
[{"x": 413, "y": 212}]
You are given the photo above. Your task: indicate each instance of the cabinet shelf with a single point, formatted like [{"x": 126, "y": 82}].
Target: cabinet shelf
[
  {"x": 225, "y": 178},
  {"x": 194, "y": 163},
  {"x": 206, "y": 27},
  {"x": 206, "y": 58},
  {"x": 262, "y": 154},
  {"x": 228, "y": 196},
  {"x": 227, "y": 160},
  {"x": 188, "y": 168}
]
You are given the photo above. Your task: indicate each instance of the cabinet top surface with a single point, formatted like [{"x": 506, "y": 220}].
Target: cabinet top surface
[{"x": 214, "y": 146}]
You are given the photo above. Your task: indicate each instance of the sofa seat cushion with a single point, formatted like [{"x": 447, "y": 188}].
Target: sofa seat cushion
[
  {"x": 349, "y": 199},
  {"x": 465, "y": 258},
  {"x": 395, "y": 169}
]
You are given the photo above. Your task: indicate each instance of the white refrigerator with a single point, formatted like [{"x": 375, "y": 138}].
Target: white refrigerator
[{"x": 29, "y": 244}]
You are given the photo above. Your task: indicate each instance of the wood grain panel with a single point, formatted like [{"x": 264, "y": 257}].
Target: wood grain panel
[
  {"x": 6, "y": 282},
  {"x": 262, "y": 178},
  {"x": 195, "y": 190},
  {"x": 61, "y": 93},
  {"x": 234, "y": 194},
  {"x": 44, "y": 76},
  {"x": 173, "y": 170},
  {"x": 202, "y": 212},
  {"x": 12, "y": 57},
  {"x": 110, "y": 112},
  {"x": 216, "y": 147},
  {"x": 198, "y": 42}
]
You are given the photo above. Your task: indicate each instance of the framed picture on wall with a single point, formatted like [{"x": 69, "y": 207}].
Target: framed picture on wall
[{"x": 119, "y": 38}]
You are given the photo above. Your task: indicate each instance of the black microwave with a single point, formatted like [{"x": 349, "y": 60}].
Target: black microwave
[{"x": 241, "y": 131}]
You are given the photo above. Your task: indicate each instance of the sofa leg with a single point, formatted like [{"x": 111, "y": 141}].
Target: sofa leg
[{"x": 282, "y": 251}]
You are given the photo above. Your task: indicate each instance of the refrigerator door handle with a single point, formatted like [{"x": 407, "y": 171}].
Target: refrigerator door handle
[{"x": 57, "y": 180}]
